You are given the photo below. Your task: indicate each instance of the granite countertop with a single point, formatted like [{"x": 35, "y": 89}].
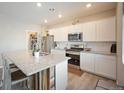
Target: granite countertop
[
  {"x": 100, "y": 52},
  {"x": 91, "y": 51},
  {"x": 29, "y": 64}
]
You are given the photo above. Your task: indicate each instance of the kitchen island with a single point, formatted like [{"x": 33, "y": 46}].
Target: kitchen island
[{"x": 31, "y": 65}]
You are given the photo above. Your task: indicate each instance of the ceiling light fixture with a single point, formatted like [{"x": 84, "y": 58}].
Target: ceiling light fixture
[
  {"x": 88, "y": 5},
  {"x": 45, "y": 21},
  {"x": 52, "y": 9},
  {"x": 60, "y": 16},
  {"x": 39, "y": 5}
]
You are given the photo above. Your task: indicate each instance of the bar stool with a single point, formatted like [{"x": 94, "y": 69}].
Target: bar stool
[{"x": 11, "y": 78}]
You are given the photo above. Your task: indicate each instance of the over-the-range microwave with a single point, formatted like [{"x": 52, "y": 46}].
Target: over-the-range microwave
[{"x": 75, "y": 37}]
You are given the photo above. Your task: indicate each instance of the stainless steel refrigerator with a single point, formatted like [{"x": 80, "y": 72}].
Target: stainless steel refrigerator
[{"x": 47, "y": 43}]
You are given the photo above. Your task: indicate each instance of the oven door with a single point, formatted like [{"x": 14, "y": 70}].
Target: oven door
[{"x": 75, "y": 59}]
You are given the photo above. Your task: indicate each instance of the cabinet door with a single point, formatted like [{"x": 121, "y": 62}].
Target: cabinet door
[
  {"x": 106, "y": 30},
  {"x": 55, "y": 33},
  {"x": 60, "y": 34},
  {"x": 89, "y": 31},
  {"x": 106, "y": 66},
  {"x": 74, "y": 28},
  {"x": 87, "y": 62},
  {"x": 61, "y": 75},
  {"x": 64, "y": 34},
  {"x": 77, "y": 28},
  {"x": 51, "y": 32}
]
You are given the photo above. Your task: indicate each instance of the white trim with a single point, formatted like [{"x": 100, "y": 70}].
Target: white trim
[{"x": 123, "y": 40}]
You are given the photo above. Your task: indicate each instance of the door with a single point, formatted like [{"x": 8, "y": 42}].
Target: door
[{"x": 31, "y": 39}]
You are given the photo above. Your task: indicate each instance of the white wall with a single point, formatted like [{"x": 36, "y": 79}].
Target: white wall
[{"x": 13, "y": 34}]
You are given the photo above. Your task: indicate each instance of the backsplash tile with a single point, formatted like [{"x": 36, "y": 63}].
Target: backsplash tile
[
  {"x": 100, "y": 46},
  {"x": 95, "y": 46}
]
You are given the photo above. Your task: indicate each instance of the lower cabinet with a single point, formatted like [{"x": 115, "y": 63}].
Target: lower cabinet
[
  {"x": 104, "y": 65},
  {"x": 87, "y": 62},
  {"x": 61, "y": 75}
]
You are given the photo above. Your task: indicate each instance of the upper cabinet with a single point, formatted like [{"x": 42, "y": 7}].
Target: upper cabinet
[
  {"x": 75, "y": 28},
  {"x": 60, "y": 34},
  {"x": 106, "y": 29},
  {"x": 89, "y": 31},
  {"x": 101, "y": 30}
]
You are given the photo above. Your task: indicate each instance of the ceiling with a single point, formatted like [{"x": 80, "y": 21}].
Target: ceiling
[{"x": 31, "y": 14}]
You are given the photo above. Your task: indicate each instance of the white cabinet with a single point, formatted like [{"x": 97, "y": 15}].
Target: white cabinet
[
  {"x": 51, "y": 32},
  {"x": 87, "y": 61},
  {"x": 106, "y": 29},
  {"x": 61, "y": 76},
  {"x": 106, "y": 66},
  {"x": 101, "y": 30},
  {"x": 89, "y": 31},
  {"x": 60, "y": 34},
  {"x": 75, "y": 28}
]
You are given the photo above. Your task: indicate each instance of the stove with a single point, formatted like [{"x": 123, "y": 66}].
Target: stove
[
  {"x": 75, "y": 49},
  {"x": 74, "y": 53}
]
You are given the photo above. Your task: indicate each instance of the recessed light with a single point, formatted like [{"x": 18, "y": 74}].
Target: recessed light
[
  {"x": 39, "y": 5},
  {"x": 88, "y": 5},
  {"x": 60, "y": 16},
  {"x": 45, "y": 21}
]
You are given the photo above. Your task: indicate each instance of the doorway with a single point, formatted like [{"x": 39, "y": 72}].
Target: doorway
[{"x": 31, "y": 39}]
